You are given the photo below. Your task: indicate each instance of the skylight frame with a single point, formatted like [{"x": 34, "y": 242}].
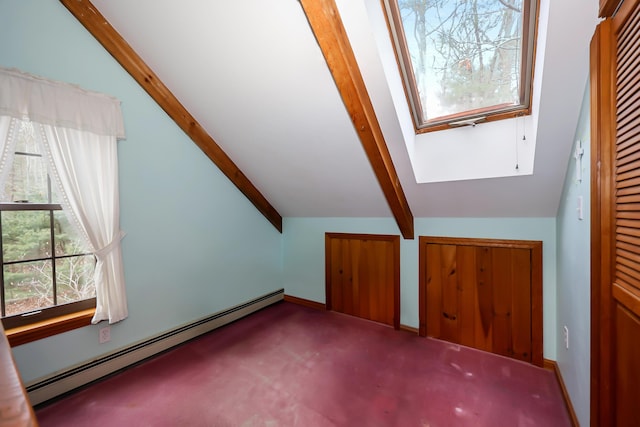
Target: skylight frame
[{"x": 491, "y": 113}]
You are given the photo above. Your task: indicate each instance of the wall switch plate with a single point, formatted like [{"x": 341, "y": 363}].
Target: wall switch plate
[
  {"x": 105, "y": 334},
  {"x": 580, "y": 208},
  {"x": 566, "y": 337}
]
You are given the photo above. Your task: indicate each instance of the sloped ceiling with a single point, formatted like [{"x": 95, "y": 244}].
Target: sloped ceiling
[{"x": 252, "y": 74}]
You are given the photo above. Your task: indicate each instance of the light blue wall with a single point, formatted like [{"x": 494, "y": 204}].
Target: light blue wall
[
  {"x": 304, "y": 255},
  {"x": 194, "y": 245},
  {"x": 574, "y": 278}
]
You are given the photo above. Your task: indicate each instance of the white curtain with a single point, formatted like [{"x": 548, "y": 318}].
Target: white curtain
[
  {"x": 78, "y": 130},
  {"x": 7, "y": 141}
]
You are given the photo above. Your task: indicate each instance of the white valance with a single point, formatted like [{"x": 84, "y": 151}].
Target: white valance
[{"x": 25, "y": 96}]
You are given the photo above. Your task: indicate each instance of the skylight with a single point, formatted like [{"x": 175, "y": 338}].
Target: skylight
[{"x": 464, "y": 61}]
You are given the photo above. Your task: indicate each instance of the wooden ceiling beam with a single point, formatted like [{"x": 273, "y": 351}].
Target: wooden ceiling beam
[
  {"x": 116, "y": 45},
  {"x": 329, "y": 31}
]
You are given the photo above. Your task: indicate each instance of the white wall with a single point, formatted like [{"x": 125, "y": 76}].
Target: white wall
[{"x": 574, "y": 278}]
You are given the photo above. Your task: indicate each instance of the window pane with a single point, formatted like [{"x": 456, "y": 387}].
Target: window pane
[
  {"x": 25, "y": 139},
  {"x": 27, "y": 180},
  {"x": 67, "y": 238},
  {"x": 30, "y": 283},
  {"x": 465, "y": 54},
  {"x": 25, "y": 235},
  {"x": 74, "y": 278},
  {"x": 27, "y": 287}
]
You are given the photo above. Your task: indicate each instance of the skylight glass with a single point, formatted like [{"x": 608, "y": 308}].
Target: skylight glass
[{"x": 464, "y": 59}]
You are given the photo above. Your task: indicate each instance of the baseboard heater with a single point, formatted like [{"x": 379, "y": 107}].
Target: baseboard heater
[{"x": 80, "y": 375}]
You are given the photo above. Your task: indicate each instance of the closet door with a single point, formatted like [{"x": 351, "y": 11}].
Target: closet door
[
  {"x": 615, "y": 257},
  {"x": 363, "y": 276},
  {"x": 483, "y": 293}
]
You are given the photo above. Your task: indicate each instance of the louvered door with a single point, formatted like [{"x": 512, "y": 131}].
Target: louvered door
[{"x": 616, "y": 220}]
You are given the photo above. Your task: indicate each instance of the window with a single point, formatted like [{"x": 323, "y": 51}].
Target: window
[
  {"x": 47, "y": 269},
  {"x": 58, "y": 160},
  {"x": 464, "y": 61}
]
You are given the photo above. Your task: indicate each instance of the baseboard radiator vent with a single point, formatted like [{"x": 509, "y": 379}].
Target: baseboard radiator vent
[{"x": 80, "y": 375}]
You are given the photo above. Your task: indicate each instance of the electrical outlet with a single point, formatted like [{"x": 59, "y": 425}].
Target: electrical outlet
[
  {"x": 105, "y": 334},
  {"x": 566, "y": 337}
]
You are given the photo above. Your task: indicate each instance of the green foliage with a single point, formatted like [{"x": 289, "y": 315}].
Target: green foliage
[{"x": 26, "y": 235}]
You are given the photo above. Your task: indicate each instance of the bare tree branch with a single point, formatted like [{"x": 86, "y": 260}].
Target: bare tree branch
[{"x": 510, "y": 6}]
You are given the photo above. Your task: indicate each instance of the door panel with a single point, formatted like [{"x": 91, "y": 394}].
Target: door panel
[
  {"x": 468, "y": 296},
  {"x": 627, "y": 366},
  {"x": 363, "y": 276},
  {"x": 521, "y": 313},
  {"x": 484, "y": 291},
  {"x": 448, "y": 305},
  {"x": 433, "y": 289},
  {"x": 480, "y": 293},
  {"x": 501, "y": 269}
]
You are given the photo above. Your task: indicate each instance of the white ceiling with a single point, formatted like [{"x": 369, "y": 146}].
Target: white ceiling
[{"x": 254, "y": 77}]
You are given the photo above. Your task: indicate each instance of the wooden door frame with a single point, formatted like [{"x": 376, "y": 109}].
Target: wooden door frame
[
  {"x": 535, "y": 246},
  {"x": 394, "y": 239},
  {"x": 602, "y": 100}
]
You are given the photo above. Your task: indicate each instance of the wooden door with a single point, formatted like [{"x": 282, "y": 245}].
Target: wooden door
[
  {"x": 483, "y": 293},
  {"x": 615, "y": 228},
  {"x": 363, "y": 276}
]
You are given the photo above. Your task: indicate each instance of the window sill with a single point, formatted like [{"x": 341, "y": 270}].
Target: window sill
[{"x": 47, "y": 328}]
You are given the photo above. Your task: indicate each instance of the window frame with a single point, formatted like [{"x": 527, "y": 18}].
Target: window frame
[
  {"x": 78, "y": 132},
  {"x": 45, "y": 315},
  {"x": 486, "y": 114},
  {"x": 49, "y": 327}
]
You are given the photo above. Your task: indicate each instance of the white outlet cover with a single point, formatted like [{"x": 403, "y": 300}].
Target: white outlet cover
[{"x": 104, "y": 334}]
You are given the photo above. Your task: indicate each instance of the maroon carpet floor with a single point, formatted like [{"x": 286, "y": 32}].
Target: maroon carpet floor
[{"x": 288, "y": 365}]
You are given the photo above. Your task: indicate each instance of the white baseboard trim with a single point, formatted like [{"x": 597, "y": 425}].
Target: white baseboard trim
[{"x": 84, "y": 373}]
